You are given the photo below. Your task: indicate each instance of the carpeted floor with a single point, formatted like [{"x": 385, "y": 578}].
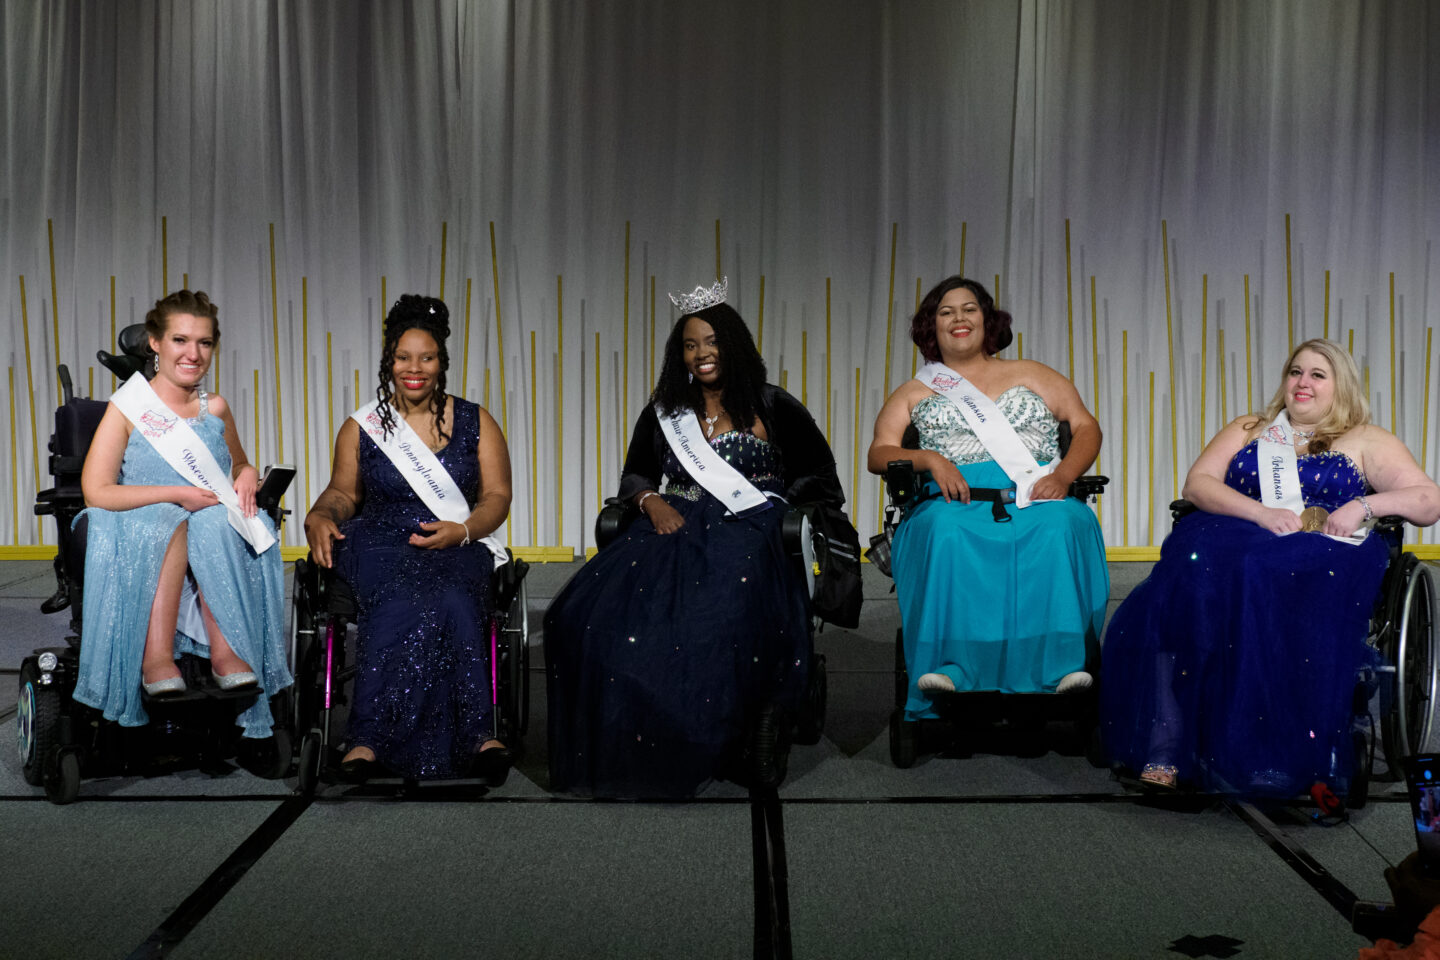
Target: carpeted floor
[{"x": 1019, "y": 849}]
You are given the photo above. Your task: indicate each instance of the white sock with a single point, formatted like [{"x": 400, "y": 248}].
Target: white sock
[{"x": 1079, "y": 680}]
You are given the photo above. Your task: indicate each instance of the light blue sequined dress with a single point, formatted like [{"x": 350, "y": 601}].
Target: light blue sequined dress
[
  {"x": 123, "y": 553},
  {"x": 996, "y": 606}
]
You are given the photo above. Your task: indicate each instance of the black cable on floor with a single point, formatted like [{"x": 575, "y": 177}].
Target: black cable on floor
[{"x": 188, "y": 915}]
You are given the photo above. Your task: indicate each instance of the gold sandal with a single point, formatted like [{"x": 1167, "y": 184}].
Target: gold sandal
[{"x": 1162, "y": 775}]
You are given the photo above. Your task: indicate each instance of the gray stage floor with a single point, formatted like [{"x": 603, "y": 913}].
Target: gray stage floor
[{"x": 1023, "y": 849}]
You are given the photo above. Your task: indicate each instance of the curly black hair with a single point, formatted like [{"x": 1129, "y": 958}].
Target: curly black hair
[
  {"x": 414, "y": 312},
  {"x": 741, "y": 365},
  {"x": 922, "y": 325}
]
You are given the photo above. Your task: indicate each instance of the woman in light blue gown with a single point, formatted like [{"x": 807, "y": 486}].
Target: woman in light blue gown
[
  {"x": 165, "y": 573},
  {"x": 987, "y": 605}
]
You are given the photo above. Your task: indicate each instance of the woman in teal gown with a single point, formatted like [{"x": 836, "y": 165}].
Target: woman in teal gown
[
  {"x": 165, "y": 573},
  {"x": 986, "y": 605}
]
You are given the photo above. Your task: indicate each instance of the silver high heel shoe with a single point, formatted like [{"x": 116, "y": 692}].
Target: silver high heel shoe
[
  {"x": 169, "y": 687},
  {"x": 234, "y": 681}
]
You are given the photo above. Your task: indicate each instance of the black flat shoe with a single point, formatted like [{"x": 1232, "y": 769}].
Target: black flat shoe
[
  {"x": 493, "y": 766},
  {"x": 359, "y": 770}
]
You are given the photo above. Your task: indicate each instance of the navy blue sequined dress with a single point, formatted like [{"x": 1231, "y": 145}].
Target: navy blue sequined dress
[
  {"x": 659, "y": 647},
  {"x": 422, "y": 687},
  {"x": 1236, "y": 659}
]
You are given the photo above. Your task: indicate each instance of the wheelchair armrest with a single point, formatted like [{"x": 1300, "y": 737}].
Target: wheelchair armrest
[
  {"x": 1391, "y": 526},
  {"x": 1083, "y": 488},
  {"x": 1181, "y": 508},
  {"x": 506, "y": 580},
  {"x": 904, "y": 483},
  {"x": 614, "y": 517}
]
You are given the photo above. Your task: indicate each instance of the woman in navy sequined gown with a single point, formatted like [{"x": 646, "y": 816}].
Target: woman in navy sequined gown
[
  {"x": 659, "y": 648},
  {"x": 165, "y": 573},
  {"x": 1232, "y": 666},
  {"x": 421, "y": 705}
]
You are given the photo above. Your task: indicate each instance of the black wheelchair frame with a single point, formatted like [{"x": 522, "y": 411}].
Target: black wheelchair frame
[
  {"x": 765, "y": 754},
  {"x": 964, "y": 708},
  {"x": 62, "y": 741},
  {"x": 324, "y": 609}
]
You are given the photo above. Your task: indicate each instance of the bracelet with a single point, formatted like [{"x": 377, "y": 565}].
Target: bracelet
[
  {"x": 466, "y": 541},
  {"x": 640, "y": 504},
  {"x": 1369, "y": 514}
]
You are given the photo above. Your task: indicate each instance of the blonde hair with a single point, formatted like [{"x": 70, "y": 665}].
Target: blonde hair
[{"x": 1348, "y": 406}]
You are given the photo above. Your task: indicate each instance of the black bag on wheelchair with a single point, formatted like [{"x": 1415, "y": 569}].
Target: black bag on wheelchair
[{"x": 837, "y": 562}]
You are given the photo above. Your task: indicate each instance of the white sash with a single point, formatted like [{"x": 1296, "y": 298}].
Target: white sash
[
  {"x": 705, "y": 466},
  {"x": 182, "y": 448},
  {"x": 991, "y": 428},
  {"x": 1279, "y": 472},
  {"x": 421, "y": 469}
]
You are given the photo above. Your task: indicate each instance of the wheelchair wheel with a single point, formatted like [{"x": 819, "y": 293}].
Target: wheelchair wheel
[
  {"x": 268, "y": 759},
  {"x": 810, "y": 724},
  {"x": 312, "y": 753},
  {"x": 904, "y": 739},
  {"x": 1407, "y": 704},
  {"x": 63, "y": 786},
  {"x": 1359, "y": 793},
  {"x": 37, "y": 723},
  {"x": 769, "y": 753}
]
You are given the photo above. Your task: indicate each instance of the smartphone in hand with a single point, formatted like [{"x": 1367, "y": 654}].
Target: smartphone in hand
[{"x": 1422, "y": 776}]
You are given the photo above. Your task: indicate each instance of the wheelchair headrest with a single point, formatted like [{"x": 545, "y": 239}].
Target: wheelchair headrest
[{"x": 134, "y": 353}]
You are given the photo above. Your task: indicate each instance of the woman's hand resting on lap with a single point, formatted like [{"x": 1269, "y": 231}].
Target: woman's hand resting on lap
[{"x": 665, "y": 518}]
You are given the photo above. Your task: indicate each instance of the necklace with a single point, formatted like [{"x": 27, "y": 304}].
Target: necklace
[
  {"x": 710, "y": 424},
  {"x": 1302, "y": 436}
]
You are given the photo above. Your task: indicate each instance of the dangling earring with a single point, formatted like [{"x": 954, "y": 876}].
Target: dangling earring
[
  {"x": 691, "y": 376},
  {"x": 154, "y": 364}
]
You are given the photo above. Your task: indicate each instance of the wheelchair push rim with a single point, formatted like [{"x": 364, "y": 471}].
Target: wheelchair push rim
[{"x": 1417, "y": 672}]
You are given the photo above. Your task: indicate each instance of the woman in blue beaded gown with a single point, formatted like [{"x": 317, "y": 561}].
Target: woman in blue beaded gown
[
  {"x": 1232, "y": 666},
  {"x": 165, "y": 573},
  {"x": 421, "y": 706},
  {"x": 985, "y": 605},
  {"x": 663, "y": 644}
]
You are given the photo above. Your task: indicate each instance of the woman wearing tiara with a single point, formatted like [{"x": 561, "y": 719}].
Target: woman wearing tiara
[
  {"x": 663, "y": 644},
  {"x": 1232, "y": 665},
  {"x": 167, "y": 572},
  {"x": 1040, "y": 577},
  {"x": 416, "y": 556}
]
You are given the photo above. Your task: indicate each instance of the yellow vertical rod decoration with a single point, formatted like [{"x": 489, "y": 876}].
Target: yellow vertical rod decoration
[
  {"x": 1020, "y": 346},
  {"x": 90, "y": 386},
  {"x": 717, "y": 250},
  {"x": 1351, "y": 348},
  {"x": 963, "y": 226},
  {"x": 487, "y": 388},
  {"x": 625, "y": 342},
  {"x": 112, "y": 339},
  {"x": 185, "y": 281},
  {"x": 1170, "y": 347},
  {"x": 444, "y": 231},
  {"x": 275, "y": 342},
  {"x": 534, "y": 450},
  {"x": 55, "y": 307},
  {"x": 1249, "y": 395},
  {"x": 1424, "y": 418},
  {"x": 1392, "y": 352},
  {"x": 914, "y": 350},
  {"x": 804, "y": 370},
  {"x": 1327, "y": 304},
  {"x": 164, "y": 258},
  {"x": 997, "y": 289},
  {"x": 330, "y": 399},
  {"x": 357, "y": 391},
  {"x": 759, "y": 324},
  {"x": 1150, "y": 473},
  {"x": 1220, "y": 362},
  {"x": 1289, "y": 289},
  {"x": 1069, "y": 305},
  {"x": 30, "y": 392},
  {"x": 559, "y": 410},
  {"x": 305, "y": 376},
  {"x": 1095, "y": 376},
  {"x": 855, "y": 470},
  {"x": 599, "y": 461},
  {"x": 465, "y": 363},
  {"x": 1204, "y": 347},
  {"x": 14, "y": 468},
  {"x": 784, "y": 376},
  {"x": 499, "y": 339},
  {"x": 1125, "y": 436},
  {"x": 827, "y": 359}
]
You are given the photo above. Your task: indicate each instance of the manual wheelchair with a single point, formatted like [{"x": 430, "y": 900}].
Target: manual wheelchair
[
  {"x": 965, "y": 710},
  {"x": 60, "y": 740},
  {"x": 325, "y": 610}
]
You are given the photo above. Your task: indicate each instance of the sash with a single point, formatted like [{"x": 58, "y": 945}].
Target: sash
[
  {"x": 991, "y": 428},
  {"x": 181, "y": 447},
  {"x": 705, "y": 466},
  {"x": 1279, "y": 472},
  {"x": 423, "y": 470}
]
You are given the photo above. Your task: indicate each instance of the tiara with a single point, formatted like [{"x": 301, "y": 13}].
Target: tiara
[{"x": 701, "y": 297}]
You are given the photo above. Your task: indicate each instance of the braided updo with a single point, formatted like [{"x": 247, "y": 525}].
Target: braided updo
[{"x": 414, "y": 312}]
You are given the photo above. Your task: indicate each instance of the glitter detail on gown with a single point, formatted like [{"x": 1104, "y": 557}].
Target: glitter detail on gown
[
  {"x": 1236, "y": 659},
  {"x": 996, "y": 606},
  {"x": 422, "y": 684},
  {"x": 658, "y": 648},
  {"x": 123, "y": 554}
]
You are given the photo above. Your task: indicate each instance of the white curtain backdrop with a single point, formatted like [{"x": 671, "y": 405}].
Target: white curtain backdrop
[{"x": 1123, "y": 171}]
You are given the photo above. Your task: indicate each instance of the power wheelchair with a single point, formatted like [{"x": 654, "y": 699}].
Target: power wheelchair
[
  {"x": 764, "y": 755},
  {"x": 322, "y": 646},
  {"x": 1403, "y": 675},
  {"x": 967, "y": 709},
  {"x": 60, "y": 740}
]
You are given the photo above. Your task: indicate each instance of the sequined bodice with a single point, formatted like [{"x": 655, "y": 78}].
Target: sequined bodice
[
  {"x": 143, "y": 465},
  {"x": 1328, "y": 479},
  {"x": 757, "y": 460},
  {"x": 390, "y": 500},
  {"x": 944, "y": 429}
]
